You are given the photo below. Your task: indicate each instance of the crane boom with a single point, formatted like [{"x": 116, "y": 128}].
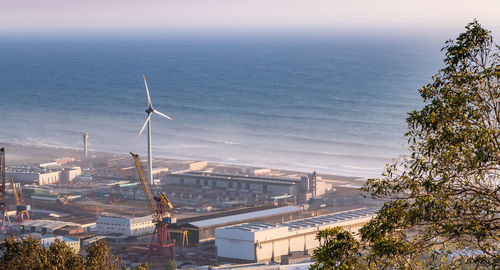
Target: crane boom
[
  {"x": 14, "y": 191},
  {"x": 145, "y": 187},
  {"x": 165, "y": 200}
]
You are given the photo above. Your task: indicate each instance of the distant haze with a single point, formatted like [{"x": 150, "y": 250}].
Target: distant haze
[{"x": 228, "y": 15}]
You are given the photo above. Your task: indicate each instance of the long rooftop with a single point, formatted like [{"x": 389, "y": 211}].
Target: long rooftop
[
  {"x": 235, "y": 177},
  {"x": 308, "y": 222},
  {"x": 246, "y": 216}
]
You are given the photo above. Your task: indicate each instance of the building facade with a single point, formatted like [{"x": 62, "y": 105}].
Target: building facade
[
  {"x": 259, "y": 242},
  {"x": 73, "y": 243},
  {"x": 34, "y": 175},
  {"x": 125, "y": 226}
]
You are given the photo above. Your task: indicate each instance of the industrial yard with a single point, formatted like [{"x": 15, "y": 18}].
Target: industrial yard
[{"x": 84, "y": 198}]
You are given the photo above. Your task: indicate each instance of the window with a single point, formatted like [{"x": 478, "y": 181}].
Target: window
[
  {"x": 205, "y": 182},
  {"x": 239, "y": 185},
  {"x": 264, "y": 188},
  {"x": 247, "y": 186},
  {"x": 182, "y": 180},
  {"x": 230, "y": 184},
  {"x": 198, "y": 182}
]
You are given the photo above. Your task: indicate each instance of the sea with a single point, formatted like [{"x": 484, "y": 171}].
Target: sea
[{"x": 330, "y": 103}]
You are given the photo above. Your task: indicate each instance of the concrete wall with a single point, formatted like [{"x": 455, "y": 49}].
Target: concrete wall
[
  {"x": 121, "y": 226},
  {"x": 49, "y": 178},
  {"x": 69, "y": 174},
  {"x": 271, "y": 243},
  {"x": 233, "y": 184}
]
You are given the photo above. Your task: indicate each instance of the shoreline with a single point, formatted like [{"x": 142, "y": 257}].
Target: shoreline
[{"x": 17, "y": 154}]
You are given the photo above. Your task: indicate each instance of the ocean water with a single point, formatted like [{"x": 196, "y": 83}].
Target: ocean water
[{"x": 326, "y": 103}]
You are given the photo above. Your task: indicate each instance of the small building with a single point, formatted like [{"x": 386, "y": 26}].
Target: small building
[
  {"x": 259, "y": 242},
  {"x": 125, "y": 225},
  {"x": 86, "y": 241},
  {"x": 73, "y": 243},
  {"x": 70, "y": 230},
  {"x": 70, "y": 174}
]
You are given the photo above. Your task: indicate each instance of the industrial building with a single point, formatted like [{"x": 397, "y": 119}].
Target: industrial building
[
  {"x": 258, "y": 242},
  {"x": 42, "y": 175},
  {"x": 73, "y": 243},
  {"x": 34, "y": 175},
  {"x": 125, "y": 226},
  {"x": 70, "y": 174},
  {"x": 204, "y": 230},
  {"x": 218, "y": 188},
  {"x": 44, "y": 226}
]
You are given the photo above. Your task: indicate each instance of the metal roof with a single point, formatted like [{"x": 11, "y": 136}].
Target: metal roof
[
  {"x": 124, "y": 220},
  {"x": 49, "y": 224},
  {"x": 310, "y": 222},
  {"x": 236, "y": 177},
  {"x": 244, "y": 217}
]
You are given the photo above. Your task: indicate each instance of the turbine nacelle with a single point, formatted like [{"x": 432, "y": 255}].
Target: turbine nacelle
[{"x": 150, "y": 109}]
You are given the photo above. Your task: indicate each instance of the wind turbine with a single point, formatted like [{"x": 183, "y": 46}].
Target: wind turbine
[{"x": 150, "y": 110}]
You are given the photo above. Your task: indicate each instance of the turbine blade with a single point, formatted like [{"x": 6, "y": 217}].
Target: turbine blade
[
  {"x": 147, "y": 90},
  {"x": 164, "y": 115},
  {"x": 145, "y": 123}
]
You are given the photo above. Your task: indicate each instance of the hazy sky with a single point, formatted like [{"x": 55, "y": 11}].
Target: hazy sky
[{"x": 150, "y": 15}]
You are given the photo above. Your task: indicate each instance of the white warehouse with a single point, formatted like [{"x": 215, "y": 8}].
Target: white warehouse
[
  {"x": 259, "y": 242},
  {"x": 125, "y": 226}
]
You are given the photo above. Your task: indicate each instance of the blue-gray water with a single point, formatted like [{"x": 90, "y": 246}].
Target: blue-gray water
[{"x": 329, "y": 104}]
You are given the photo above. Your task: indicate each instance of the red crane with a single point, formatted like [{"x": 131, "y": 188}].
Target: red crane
[{"x": 163, "y": 247}]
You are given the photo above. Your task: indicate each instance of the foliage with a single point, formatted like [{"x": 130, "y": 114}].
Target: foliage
[
  {"x": 335, "y": 243},
  {"x": 442, "y": 205},
  {"x": 99, "y": 256},
  {"x": 171, "y": 265},
  {"x": 30, "y": 254}
]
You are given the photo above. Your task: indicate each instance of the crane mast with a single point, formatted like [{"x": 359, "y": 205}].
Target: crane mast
[
  {"x": 157, "y": 206},
  {"x": 145, "y": 187},
  {"x": 14, "y": 191},
  {"x": 22, "y": 213}
]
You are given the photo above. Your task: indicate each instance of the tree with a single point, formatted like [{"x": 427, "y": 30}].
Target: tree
[
  {"x": 171, "y": 265},
  {"x": 19, "y": 254},
  {"x": 60, "y": 256},
  {"x": 30, "y": 254},
  {"x": 335, "y": 243},
  {"x": 443, "y": 199},
  {"x": 99, "y": 256}
]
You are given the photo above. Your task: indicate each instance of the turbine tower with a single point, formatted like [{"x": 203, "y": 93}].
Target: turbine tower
[{"x": 150, "y": 111}]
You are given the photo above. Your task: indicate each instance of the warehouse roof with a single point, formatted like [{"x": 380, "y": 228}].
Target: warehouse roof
[
  {"x": 330, "y": 218},
  {"x": 235, "y": 177},
  {"x": 246, "y": 216},
  {"x": 48, "y": 224},
  {"x": 124, "y": 220},
  {"x": 309, "y": 222}
]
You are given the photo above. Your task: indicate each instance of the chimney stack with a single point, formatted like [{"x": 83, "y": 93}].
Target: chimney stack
[{"x": 85, "y": 145}]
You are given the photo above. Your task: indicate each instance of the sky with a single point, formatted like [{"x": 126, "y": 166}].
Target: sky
[{"x": 32, "y": 16}]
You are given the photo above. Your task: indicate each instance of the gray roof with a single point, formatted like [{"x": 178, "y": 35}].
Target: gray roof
[
  {"x": 48, "y": 224},
  {"x": 236, "y": 177},
  {"x": 244, "y": 217},
  {"x": 124, "y": 220},
  {"x": 309, "y": 222}
]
